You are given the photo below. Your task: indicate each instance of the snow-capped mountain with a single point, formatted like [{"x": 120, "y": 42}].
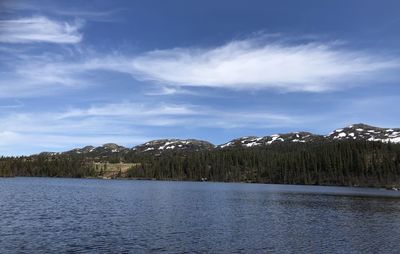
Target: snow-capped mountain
[
  {"x": 366, "y": 132},
  {"x": 83, "y": 150},
  {"x": 352, "y": 132},
  {"x": 48, "y": 153},
  {"x": 299, "y": 137},
  {"x": 162, "y": 145},
  {"x": 105, "y": 149}
]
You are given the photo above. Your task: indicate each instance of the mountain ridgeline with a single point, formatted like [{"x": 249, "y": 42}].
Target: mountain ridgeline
[{"x": 357, "y": 155}]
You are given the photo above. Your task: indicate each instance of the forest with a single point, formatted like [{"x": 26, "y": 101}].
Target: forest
[{"x": 345, "y": 163}]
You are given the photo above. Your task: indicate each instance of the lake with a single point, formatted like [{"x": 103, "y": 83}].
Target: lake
[{"x": 56, "y": 215}]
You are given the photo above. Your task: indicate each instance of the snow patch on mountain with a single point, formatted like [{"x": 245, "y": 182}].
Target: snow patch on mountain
[
  {"x": 366, "y": 132},
  {"x": 161, "y": 145},
  {"x": 252, "y": 141}
]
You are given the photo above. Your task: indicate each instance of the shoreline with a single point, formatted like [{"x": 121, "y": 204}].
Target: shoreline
[{"x": 388, "y": 188}]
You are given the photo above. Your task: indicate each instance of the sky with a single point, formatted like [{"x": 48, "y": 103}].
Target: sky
[{"x": 76, "y": 73}]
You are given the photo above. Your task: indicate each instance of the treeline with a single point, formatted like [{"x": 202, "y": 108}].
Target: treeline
[
  {"x": 50, "y": 166},
  {"x": 350, "y": 163}
]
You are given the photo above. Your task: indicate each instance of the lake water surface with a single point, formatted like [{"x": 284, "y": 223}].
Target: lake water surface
[{"x": 49, "y": 215}]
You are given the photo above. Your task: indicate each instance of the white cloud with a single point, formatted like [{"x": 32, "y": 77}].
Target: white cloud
[
  {"x": 15, "y": 104},
  {"x": 240, "y": 65},
  {"x": 129, "y": 109},
  {"x": 33, "y": 132},
  {"x": 15, "y": 143},
  {"x": 39, "y": 29},
  {"x": 54, "y": 8},
  {"x": 249, "y": 64},
  {"x": 185, "y": 115},
  {"x": 124, "y": 123},
  {"x": 164, "y": 90},
  {"x": 26, "y": 75}
]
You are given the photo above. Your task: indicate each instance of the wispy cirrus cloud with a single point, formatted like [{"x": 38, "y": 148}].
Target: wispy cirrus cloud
[
  {"x": 181, "y": 114},
  {"x": 250, "y": 64},
  {"x": 40, "y": 29},
  {"x": 25, "y": 74},
  {"x": 130, "y": 109},
  {"x": 13, "y": 105},
  {"x": 53, "y": 8},
  {"x": 126, "y": 123}
]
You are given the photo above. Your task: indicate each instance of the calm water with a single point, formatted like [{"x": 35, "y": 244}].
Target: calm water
[{"x": 103, "y": 216}]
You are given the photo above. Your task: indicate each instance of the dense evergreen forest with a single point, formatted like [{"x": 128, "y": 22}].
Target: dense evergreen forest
[{"x": 350, "y": 163}]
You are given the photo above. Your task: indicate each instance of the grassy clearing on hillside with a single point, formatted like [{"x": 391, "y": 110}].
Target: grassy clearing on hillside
[{"x": 113, "y": 170}]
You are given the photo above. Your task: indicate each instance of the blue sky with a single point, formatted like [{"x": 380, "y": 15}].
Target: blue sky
[{"x": 77, "y": 73}]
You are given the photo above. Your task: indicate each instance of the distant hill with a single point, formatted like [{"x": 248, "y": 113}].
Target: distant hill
[{"x": 353, "y": 132}]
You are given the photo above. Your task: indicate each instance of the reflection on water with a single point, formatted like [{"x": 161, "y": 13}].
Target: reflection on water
[{"x": 102, "y": 216}]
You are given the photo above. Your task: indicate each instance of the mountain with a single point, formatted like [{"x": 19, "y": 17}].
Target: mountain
[
  {"x": 104, "y": 150},
  {"x": 162, "y": 145},
  {"x": 84, "y": 150},
  {"x": 154, "y": 146},
  {"x": 252, "y": 141},
  {"x": 366, "y": 132},
  {"x": 352, "y": 132}
]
